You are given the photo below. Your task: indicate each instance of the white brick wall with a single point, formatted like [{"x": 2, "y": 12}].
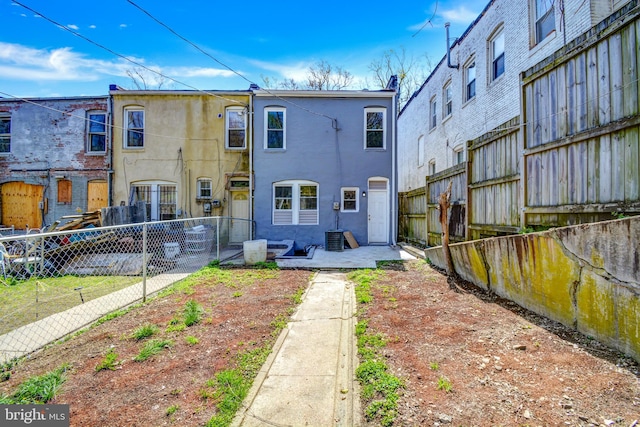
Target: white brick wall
[{"x": 495, "y": 102}]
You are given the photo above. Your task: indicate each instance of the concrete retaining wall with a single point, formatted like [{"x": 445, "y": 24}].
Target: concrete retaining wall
[{"x": 586, "y": 277}]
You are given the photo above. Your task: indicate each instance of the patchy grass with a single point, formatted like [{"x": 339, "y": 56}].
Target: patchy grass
[
  {"x": 110, "y": 361},
  {"x": 144, "y": 331},
  {"x": 38, "y": 390},
  {"x": 151, "y": 348},
  {"x": 36, "y": 298}
]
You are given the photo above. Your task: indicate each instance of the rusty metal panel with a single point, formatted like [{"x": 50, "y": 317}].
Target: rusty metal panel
[{"x": 20, "y": 204}]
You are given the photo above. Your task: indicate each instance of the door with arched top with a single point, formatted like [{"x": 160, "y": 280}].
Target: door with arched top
[{"x": 240, "y": 225}]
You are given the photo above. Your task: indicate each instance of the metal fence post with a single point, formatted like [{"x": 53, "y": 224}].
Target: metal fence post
[
  {"x": 218, "y": 238},
  {"x": 144, "y": 262}
]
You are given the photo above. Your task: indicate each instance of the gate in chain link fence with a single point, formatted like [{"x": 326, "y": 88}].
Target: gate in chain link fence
[{"x": 52, "y": 284}]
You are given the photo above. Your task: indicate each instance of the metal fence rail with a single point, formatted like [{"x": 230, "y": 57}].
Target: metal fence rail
[{"x": 52, "y": 284}]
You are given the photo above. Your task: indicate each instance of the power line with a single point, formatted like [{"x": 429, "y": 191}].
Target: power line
[
  {"x": 77, "y": 34},
  {"x": 333, "y": 119}
]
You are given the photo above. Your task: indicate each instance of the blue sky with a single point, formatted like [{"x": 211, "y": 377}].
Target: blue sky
[{"x": 254, "y": 39}]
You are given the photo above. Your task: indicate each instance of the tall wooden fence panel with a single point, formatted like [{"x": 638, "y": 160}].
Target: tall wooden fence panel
[
  {"x": 494, "y": 182},
  {"x": 413, "y": 221},
  {"x": 436, "y": 185},
  {"x": 582, "y": 151}
]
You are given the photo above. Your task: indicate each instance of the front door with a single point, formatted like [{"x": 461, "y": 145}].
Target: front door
[
  {"x": 378, "y": 212},
  {"x": 240, "y": 224}
]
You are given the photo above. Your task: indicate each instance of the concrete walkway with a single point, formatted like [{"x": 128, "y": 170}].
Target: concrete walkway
[{"x": 309, "y": 378}]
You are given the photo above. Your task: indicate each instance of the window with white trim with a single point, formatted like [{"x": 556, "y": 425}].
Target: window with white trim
[
  {"x": 421, "y": 150},
  {"x": 5, "y": 133},
  {"x": 295, "y": 203},
  {"x": 236, "y": 128},
  {"x": 204, "y": 188},
  {"x": 375, "y": 132},
  {"x": 447, "y": 97},
  {"x": 470, "y": 80},
  {"x": 133, "y": 127},
  {"x": 275, "y": 133},
  {"x": 458, "y": 155},
  {"x": 160, "y": 199},
  {"x": 496, "y": 48},
  {"x": 96, "y": 132},
  {"x": 433, "y": 113},
  {"x": 432, "y": 167},
  {"x": 350, "y": 199},
  {"x": 544, "y": 20}
]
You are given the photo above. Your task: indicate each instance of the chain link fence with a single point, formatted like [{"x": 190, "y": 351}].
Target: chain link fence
[{"x": 54, "y": 283}]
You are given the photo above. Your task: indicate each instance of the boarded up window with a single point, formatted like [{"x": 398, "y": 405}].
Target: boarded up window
[{"x": 64, "y": 191}]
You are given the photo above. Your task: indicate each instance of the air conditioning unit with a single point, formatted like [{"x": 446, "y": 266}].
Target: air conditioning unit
[{"x": 334, "y": 240}]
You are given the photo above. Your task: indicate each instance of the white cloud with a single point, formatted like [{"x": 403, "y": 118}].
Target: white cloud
[
  {"x": 297, "y": 71},
  {"x": 198, "y": 72},
  {"x": 459, "y": 15},
  {"x": 73, "y": 27},
  {"x": 123, "y": 25},
  {"x": 93, "y": 27}
]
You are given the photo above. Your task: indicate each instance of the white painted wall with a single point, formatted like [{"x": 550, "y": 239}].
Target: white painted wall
[{"x": 495, "y": 102}]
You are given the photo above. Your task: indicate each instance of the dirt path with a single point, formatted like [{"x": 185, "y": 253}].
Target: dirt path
[{"x": 506, "y": 366}]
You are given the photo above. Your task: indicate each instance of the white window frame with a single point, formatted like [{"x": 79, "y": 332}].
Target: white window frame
[
  {"x": 343, "y": 198},
  {"x": 5, "y": 138},
  {"x": 458, "y": 155},
  {"x": 432, "y": 167},
  {"x": 433, "y": 113},
  {"x": 497, "y": 47},
  {"x": 295, "y": 215},
  {"x": 229, "y": 112},
  {"x": 447, "y": 100},
  {"x": 421, "y": 151},
  {"x": 538, "y": 15},
  {"x": 126, "y": 127},
  {"x": 154, "y": 203},
  {"x": 91, "y": 132},
  {"x": 471, "y": 64},
  {"x": 203, "y": 184},
  {"x": 268, "y": 110},
  {"x": 367, "y": 129}
]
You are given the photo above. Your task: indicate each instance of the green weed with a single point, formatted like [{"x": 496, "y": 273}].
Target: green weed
[
  {"x": 434, "y": 366},
  {"x": 171, "y": 410},
  {"x": 193, "y": 313},
  {"x": 152, "y": 348},
  {"x": 144, "y": 331},
  {"x": 191, "y": 340},
  {"x": 444, "y": 384},
  {"x": 38, "y": 390},
  {"x": 110, "y": 361}
]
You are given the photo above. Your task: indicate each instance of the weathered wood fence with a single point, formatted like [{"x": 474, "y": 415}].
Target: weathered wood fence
[{"x": 573, "y": 155}]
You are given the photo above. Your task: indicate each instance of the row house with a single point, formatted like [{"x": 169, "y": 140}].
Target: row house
[
  {"x": 295, "y": 163},
  {"x": 476, "y": 87},
  {"x": 55, "y": 158}
]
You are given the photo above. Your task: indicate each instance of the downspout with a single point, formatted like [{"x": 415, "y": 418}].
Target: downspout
[
  {"x": 250, "y": 124},
  {"x": 110, "y": 148},
  {"x": 446, "y": 26},
  {"x": 394, "y": 186}
]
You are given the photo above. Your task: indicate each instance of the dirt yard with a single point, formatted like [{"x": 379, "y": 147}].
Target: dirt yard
[{"x": 505, "y": 366}]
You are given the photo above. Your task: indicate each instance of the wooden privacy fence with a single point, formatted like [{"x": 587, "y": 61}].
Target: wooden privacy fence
[
  {"x": 412, "y": 216},
  {"x": 574, "y": 157},
  {"x": 581, "y": 154}
]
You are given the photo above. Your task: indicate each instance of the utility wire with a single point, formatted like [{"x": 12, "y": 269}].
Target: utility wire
[
  {"x": 77, "y": 34},
  {"x": 186, "y": 40}
]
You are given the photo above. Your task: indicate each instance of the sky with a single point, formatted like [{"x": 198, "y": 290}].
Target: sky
[{"x": 77, "y": 48}]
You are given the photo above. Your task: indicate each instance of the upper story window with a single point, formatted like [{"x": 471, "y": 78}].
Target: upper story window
[
  {"x": 350, "y": 199},
  {"x": 458, "y": 155},
  {"x": 433, "y": 114},
  {"x": 432, "y": 167},
  {"x": 5, "y": 134},
  {"x": 544, "y": 19},
  {"x": 295, "y": 202},
  {"x": 236, "y": 126},
  {"x": 375, "y": 119},
  {"x": 204, "y": 188},
  {"x": 96, "y": 132},
  {"x": 275, "y": 134},
  {"x": 447, "y": 96},
  {"x": 134, "y": 127},
  {"x": 421, "y": 150},
  {"x": 470, "y": 80},
  {"x": 496, "y": 46}
]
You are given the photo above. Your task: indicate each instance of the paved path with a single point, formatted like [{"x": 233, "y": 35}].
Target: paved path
[{"x": 309, "y": 378}]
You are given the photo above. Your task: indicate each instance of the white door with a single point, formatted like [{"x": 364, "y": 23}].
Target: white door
[
  {"x": 240, "y": 224},
  {"x": 378, "y": 212}
]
